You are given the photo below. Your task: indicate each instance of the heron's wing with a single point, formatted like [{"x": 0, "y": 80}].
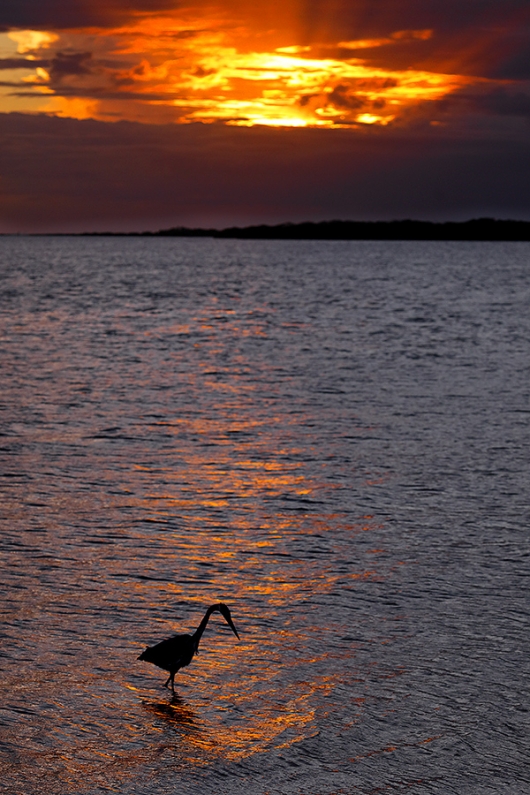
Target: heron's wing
[{"x": 174, "y": 652}]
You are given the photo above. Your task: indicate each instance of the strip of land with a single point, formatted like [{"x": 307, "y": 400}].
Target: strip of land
[
  {"x": 476, "y": 229},
  {"x": 487, "y": 229}
]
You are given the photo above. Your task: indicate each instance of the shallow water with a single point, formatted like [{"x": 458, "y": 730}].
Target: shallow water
[{"x": 332, "y": 437}]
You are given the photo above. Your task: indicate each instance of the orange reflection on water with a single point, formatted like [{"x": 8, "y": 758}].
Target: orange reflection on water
[
  {"x": 227, "y": 499},
  {"x": 231, "y": 525},
  {"x": 242, "y": 698}
]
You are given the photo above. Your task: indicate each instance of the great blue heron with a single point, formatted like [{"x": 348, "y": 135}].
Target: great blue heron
[{"x": 178, "y": 651}]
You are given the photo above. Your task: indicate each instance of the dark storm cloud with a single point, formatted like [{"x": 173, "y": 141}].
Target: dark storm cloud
[
  {"x": 21, "y": 63},
  {"x": 368, "y": 16},
  {"x": 63, "y": 64},
  {"x": 485, "y": 38},
  {"x": 94, "y": 93},
  {"x": 497, "y": 102},
  {"x": 57, "y": 14},
  {"x": 132, "y": 176},
  {"x": 516, "y": 63},
  {"x": 341, "y": 97},
  {"x": 502, "y": 102}
]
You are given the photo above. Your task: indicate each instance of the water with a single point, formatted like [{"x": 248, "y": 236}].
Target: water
[{"x": 332, "y": 437}]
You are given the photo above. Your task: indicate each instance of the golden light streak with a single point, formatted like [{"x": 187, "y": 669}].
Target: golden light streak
[
  {"x": 363, "y": 44},
  {"x": 399, "y": 35}
]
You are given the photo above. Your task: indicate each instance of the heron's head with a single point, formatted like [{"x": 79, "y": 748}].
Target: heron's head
[{"x": 225, "y": 612}]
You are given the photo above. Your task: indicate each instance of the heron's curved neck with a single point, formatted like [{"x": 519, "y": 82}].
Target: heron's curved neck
[{"x": 197, "y": 635}]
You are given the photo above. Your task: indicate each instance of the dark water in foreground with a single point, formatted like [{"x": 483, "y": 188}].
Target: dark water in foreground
[{"x": 332, "y": 438}]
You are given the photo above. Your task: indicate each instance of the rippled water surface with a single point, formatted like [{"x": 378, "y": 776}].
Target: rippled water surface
[{"x": 331, "y": 437}]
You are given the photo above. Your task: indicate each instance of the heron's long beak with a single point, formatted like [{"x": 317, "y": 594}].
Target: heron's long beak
[
  {"x": 232, "y": 627},
  {"x": 228, "y": 618}
]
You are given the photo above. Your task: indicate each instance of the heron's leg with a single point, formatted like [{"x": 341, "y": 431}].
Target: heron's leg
[
  {"x": 172, "y": 677},
  {"x": 168, "y": 680}
]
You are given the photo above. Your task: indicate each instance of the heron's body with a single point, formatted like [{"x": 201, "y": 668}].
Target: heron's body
[
  {"x": 178, "y": 651},
  {"x": 171, "y": 654}
]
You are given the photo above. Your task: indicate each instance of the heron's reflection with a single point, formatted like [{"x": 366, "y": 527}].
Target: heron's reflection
[{"x": 175, "y": 713}]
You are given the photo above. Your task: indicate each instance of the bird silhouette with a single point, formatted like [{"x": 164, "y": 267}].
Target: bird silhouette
[{"x": 178, "y": 651}]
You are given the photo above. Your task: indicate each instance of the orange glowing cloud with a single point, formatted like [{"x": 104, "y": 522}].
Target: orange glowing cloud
[
  {"x": 399, "y": 35},
  {"x": 214, "y": 66}
]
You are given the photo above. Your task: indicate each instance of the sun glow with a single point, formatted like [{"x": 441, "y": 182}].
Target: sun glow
[
  {"x": 29, "y": 40},
  {"x": 162, "y": 68}
]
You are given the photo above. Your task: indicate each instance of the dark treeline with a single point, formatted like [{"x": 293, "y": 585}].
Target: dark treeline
[{"x": 477, "y": 229}]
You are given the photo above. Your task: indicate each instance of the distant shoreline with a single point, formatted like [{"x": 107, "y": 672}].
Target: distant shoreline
[{"x": 478, "y": 229}]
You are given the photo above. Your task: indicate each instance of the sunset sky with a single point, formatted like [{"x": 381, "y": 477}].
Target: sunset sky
[{"x": 140, "y": 114}]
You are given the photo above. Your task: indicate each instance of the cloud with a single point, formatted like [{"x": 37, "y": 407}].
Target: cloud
[
  {"x": 400, "y": 36},
  {"x": 132, "y": 176},
  {"x": 203, "y": 68},
  {"x": 341, "y": 97},
  {"x": 499, "y": 102},
  {"x": 75, "y": 63},
  {"x": 60, "y": 15},
  {"x": 22, "y": 63},
  {"x": 273, "y": 63},
  {"x": 513, "y": 59}
]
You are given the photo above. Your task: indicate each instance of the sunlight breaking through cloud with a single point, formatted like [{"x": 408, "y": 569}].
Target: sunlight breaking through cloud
[{"x": 164, "y": 68}]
